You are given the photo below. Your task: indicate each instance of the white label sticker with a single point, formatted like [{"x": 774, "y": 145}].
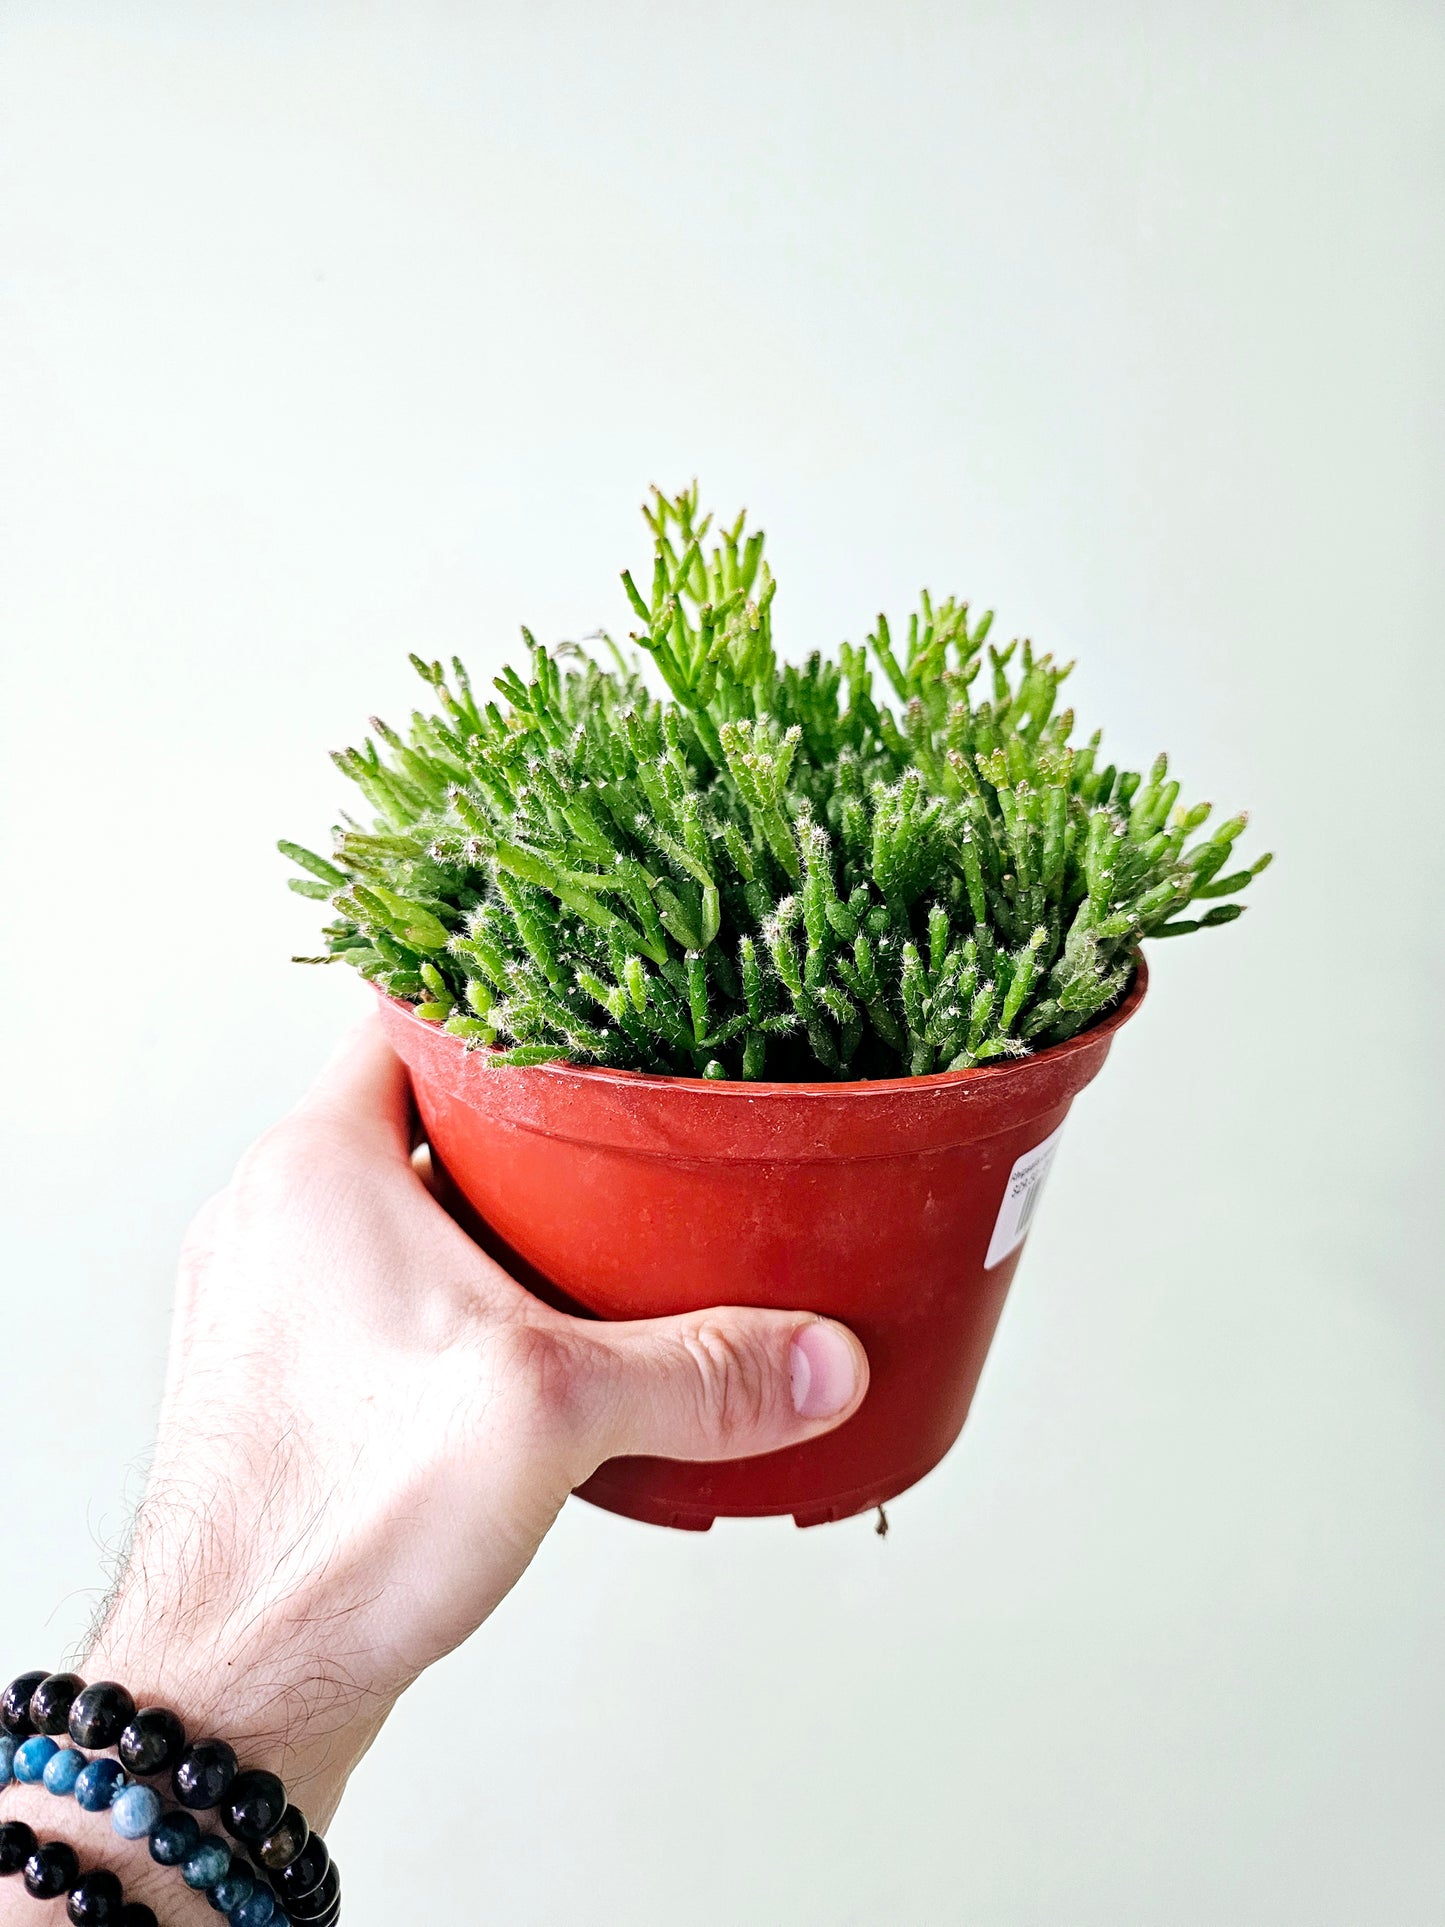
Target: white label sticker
[{"x": 1021, "y": 1200}]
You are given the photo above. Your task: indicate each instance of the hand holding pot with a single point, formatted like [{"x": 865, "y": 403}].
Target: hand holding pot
[{"x": 368, "y": 1427}]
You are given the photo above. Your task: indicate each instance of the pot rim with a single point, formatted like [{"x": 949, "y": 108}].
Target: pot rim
[{"x": 739, "y": 1088}]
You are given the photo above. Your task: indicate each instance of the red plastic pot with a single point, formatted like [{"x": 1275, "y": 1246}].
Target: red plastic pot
[{"x": 899, "y": 1207}]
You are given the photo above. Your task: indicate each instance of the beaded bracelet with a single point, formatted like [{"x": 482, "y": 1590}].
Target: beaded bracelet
[
  {"x": 93, "y": 1899},
  {"x": 295, "y": 1867}
]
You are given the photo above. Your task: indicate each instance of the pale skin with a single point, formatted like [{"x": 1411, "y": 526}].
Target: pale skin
[{"x": 367, "y": 1430}]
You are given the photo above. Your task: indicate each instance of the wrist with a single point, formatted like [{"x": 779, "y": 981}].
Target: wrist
[
  {"x": 279, "y": 1708},
  {"x": 239, "y": 1638}
]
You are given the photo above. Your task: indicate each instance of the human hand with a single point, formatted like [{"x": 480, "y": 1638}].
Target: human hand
[{"x": 368, "y": 1428}]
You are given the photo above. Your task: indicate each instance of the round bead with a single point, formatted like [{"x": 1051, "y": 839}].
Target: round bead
[
  {"x": 204, "y": 1774},
  {"x": 51, "y": 1870},
  {"x": 15, "y": 1704},
  {"x": 258, "y": 1911},
  {"x": 210, "y": 1862},
  {"x": 7, "y": 1758},
  {"x": 100, "y": 1715},
  {"x": 133, "y": 1914},
  {"x": 227, "y": 1895},
  {"x": 17, "y": 1843},
  {"x": 134, "y": 1811},
  {"x": 52, "y": 1700},
  {"x": 62, "y": 1771},
  {"x": 96, "y": 1900},
  {"x": 253, "y": 1805},
  {"x": 174, "y": 1838},
  {"x": 154, "y": 1742},
  {"x": 285, "y": 1840},
  {"x": 98, "y": 1784},
  {"x": 32, "y": 1756},
  {"x": 306, "y": 1872},
  {"x": 318, "y": 1905}
]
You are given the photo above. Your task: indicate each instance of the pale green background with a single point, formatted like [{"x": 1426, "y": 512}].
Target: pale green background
[{"x": 332, "y": 332}]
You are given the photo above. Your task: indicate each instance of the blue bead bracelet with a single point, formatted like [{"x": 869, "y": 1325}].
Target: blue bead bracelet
[{"x": 206, "y": 1862}]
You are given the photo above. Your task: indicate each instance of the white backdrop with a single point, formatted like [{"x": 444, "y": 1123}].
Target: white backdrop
[{"x": 329, "y": 332}]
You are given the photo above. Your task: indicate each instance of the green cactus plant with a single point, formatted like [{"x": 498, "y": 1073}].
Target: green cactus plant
[{"x": 774, "y": 870}]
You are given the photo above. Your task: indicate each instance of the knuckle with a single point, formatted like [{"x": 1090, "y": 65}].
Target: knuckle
[
  {"x": 276, "y": 1158},
  {"x": 732, "y": 1380},
  {"x": 203, "y": 1233},
  {"x": 303, "y": 1159},
  {"x": 547, "y": 1376}
]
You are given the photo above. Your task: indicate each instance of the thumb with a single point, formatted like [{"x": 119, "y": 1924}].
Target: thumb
[{"x": 721, "y": 1384}]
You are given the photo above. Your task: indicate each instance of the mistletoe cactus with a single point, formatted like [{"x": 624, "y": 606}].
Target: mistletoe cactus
[{"x": 882, "y": 864}]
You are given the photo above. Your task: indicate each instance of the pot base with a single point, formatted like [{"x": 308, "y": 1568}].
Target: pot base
[{"x": 632, "y": 1500}]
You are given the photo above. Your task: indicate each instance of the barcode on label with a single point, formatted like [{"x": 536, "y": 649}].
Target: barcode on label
[
  {"x": 1031, "y": 1201},
  {"x": 1021, "y": 1200}
]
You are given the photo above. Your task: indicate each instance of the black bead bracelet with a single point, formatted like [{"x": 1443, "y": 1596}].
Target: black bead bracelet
[
  {"x": 289, "y": 1875},
  {"x": 94, "y": 1899}
]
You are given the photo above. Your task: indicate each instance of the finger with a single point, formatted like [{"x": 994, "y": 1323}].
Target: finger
[
  {"x": 364, "y": 1087},
  {"x": 719, "y": 1384},
  {"x": 423, "y": 1165}
]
